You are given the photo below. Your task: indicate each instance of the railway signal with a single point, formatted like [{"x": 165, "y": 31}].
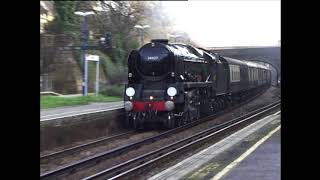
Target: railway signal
[{"x": 106, "y": 41}]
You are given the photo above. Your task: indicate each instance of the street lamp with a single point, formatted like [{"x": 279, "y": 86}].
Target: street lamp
[
  {"x": 174, "y": 36},
  {"x": 84, "y": 13},
  {"x": 85, "y": 33},
  {"x": 141, "y": 30}
]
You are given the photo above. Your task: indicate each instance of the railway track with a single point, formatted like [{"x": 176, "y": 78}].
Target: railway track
[
  {"x": 93, "y": 160},
  {"x": 71, "y": 150},
  {"x": 136, "y": 166}
]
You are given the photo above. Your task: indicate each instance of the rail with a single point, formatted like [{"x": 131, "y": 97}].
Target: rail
[{"x": 83, "y": 146}]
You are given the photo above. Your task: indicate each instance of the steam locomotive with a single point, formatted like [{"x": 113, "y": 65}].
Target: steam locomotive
[{"x": 174, "y": 84}]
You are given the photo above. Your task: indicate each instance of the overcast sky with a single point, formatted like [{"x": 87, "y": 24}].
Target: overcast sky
[{"x": 228, "y": 23}]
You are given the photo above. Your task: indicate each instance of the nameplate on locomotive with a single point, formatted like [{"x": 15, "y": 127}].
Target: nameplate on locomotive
[{"x": 153, "y": 58}]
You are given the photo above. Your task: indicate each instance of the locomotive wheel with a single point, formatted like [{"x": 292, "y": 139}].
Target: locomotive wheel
[
  {"x": 170, "y": 123},
  {"x": 179, "y": 122},
  {"x": 223, "y": 104},
  {"x": 187, "y": 118},
  {"x": 135, "y": 123},
  {"x": 192, "y": 106},
  {"x": 198, "y": 113},
  {"x": 138, "y": 122},
  {"x": 217, "y": 105},
  {"x": 226, "y": 103},
  {"x": 220, "y": 105},
  {"x": 211, "y": 107},
  {"x": 191, "y": 115},
  {"x": 128, "y": 123}
]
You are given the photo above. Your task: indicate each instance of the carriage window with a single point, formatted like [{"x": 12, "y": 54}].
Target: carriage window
[{"x": 234, "y": 73}]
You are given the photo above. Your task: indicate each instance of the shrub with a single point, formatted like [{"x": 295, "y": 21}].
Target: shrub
[
  {"x": 116, "y": 72},
  {"x": 113, "y": 90}
]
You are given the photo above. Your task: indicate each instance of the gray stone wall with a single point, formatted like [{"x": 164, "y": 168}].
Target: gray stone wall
[
  {"x": 60, "y": 67},
  {"x": 64, "y": 131}
]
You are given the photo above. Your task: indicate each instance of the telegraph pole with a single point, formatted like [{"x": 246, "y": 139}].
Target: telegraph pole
[
  {"x": 85, "y": 34},
  {"x": 83, "y": 48}
]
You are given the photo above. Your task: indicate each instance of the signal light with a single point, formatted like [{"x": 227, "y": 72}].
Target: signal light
[{"x": 106, "y": 41}]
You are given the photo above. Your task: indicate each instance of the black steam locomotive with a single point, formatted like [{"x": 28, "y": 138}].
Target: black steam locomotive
[{"x": 174, "y": 84}]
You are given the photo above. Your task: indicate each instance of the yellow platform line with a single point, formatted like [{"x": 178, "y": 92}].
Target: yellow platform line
[{"x": 244, "y": 155}]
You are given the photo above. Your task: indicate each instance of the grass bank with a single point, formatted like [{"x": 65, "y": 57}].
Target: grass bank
[{"x": 56, "y": 101}]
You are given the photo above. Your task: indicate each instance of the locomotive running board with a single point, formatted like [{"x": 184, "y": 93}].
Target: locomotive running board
[{"x": 197, "y": 84}]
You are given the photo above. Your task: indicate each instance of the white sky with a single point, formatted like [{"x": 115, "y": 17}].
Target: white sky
[{"x": 227, "y": 23}]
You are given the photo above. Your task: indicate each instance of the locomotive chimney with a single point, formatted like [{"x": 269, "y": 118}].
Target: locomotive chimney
[{"x": 164, "y": 41}]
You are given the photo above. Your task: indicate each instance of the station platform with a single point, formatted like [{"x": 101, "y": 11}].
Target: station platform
[
  {"x": 60, "y": 112},
  {"x": 249, "y": 154},
  {"x": 263, "y": 163}
]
